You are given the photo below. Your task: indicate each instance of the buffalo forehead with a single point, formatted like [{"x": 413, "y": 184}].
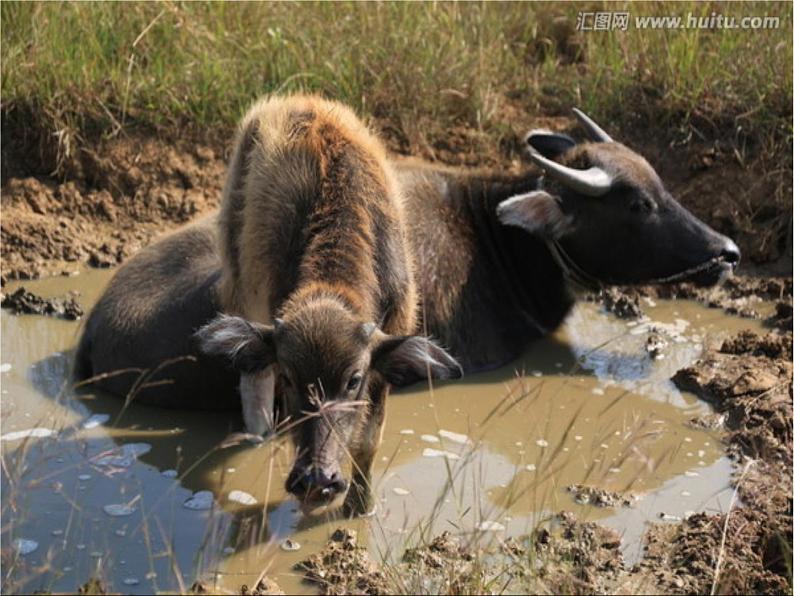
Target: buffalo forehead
[
  {"x": 325, "y": 350},
  {"x": 625, "y": 165},
  {"x": 619, "y": 161}
]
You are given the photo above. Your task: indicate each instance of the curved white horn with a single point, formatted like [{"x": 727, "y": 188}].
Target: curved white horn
[
  {"x": 596, "y": 132},
  {"x": 593, "y": 182}
]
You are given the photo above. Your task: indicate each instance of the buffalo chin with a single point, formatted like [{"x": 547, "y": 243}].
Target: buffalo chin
[
  {"x": 715, "y": 272},
  {"x": 323, "y": 506}
]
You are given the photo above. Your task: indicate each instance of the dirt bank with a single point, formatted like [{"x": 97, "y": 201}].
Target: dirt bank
[
  {"x": 746, "y": 296},
  {"x": 108, "y": 205},
  {"x": 748, "y": 549},
  {"x": 23, "y": 302},
  {"x": 109, "y": 197}
]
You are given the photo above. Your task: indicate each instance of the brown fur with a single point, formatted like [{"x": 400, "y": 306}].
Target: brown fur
[
  {"x": 623, "y": 164},
  {"x": 316, "y": 182},
  {"x": 312, "y": 230}
]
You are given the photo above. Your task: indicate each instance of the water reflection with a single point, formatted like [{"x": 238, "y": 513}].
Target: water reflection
[{"x": 490, "y": 455}]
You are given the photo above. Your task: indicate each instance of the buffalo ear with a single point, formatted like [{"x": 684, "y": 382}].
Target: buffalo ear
[
  {"x": 249, "y": 346},
  {"x": 403, "y": 360},
  {"x": 537, "y": 212},
  {"x": 549, "y": 144}
]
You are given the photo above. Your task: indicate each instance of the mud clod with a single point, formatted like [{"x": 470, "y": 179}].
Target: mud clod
[
  {"x": 93, "y": 586},
  {"x": 707, "y": 422},
  {"x": 655, "y": 344},
  {"x": 582, "y": 558},
  {"x": 782, "y": 319},
  {"x": 344, "y": 567},
  {"x": 771, "y": 345},
  {"x": 623, "y": 304},
  {"x": 599, "y": 497},
  {"x": 265, "y": 587},
  {"x": 23, "y": 302},
  {"x": 439, "y": 551}
]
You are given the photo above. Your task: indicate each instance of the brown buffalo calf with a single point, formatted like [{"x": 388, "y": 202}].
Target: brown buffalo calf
[{"x": 317, "y": 267}]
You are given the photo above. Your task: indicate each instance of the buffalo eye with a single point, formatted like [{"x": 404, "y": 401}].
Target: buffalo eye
[
  {"x": 284, "y": 380},
  {"x": 642, "y": 206},
  {"x": 354, "y": 382}
]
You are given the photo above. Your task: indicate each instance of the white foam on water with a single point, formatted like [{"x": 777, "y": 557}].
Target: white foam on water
[
  {"x": 118, "y": 510},
  {"x": 428, "y": 452},
  {"x": 169, "y": 473},
  {"x": 407, "y": 431},
  {"x": 458, "y": 438},
  {"x": 23, "y": 546},
  {"x": 242, "y": 497},
  {"x": 401, "y": 492},
  {"x": 130, "y": 581},
  {"x": 490, "y": 526},
  {"x": 200, "y": 500},
  {"x": 542, "y": 443},
  {"x": 430, "y": 438},
  {"x": 96, "y": 420}
]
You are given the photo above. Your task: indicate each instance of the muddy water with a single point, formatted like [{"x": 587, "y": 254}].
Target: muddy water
[{"x": 487, "y": 457}]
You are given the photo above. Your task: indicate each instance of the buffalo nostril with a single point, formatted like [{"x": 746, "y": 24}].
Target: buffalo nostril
[
  {"x": 338, "y": 484},
  {"x": 298, "y": 482},
  {"x": 731, "y": 253},
  {"x": 322, "y": 487}
]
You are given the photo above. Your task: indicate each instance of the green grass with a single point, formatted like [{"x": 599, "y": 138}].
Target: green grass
[{"x": 84, "y": 67}]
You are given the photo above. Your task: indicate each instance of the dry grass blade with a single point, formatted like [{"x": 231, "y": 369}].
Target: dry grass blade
[{"x": 721, "y": 552}]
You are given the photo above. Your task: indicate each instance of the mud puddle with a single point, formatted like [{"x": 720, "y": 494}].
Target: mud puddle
[{"x": 123, "y": 494}]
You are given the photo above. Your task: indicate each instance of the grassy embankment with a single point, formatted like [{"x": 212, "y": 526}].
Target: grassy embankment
[{"x": 78, "y": 69}]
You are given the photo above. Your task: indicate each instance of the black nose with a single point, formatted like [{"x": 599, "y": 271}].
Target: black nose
[
  {"x": 731, "y": 253},
  {"x": 315, "y": 485}
]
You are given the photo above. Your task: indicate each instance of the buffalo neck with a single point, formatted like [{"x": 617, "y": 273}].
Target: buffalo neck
[{"x": 516, "y": 290}]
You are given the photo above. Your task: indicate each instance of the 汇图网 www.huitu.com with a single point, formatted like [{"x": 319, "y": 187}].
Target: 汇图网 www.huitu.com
[{"x": 621, "y": 21}]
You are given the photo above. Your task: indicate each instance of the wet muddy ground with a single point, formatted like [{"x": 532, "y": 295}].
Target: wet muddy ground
[{"x": 587, "y": 422}]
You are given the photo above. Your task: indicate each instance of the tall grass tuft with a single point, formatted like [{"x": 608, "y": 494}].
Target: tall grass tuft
[{"x": 79, "y": 67}]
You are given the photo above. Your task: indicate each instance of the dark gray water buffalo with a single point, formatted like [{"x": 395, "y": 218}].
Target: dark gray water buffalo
[{"x": 498, "y": 259}]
